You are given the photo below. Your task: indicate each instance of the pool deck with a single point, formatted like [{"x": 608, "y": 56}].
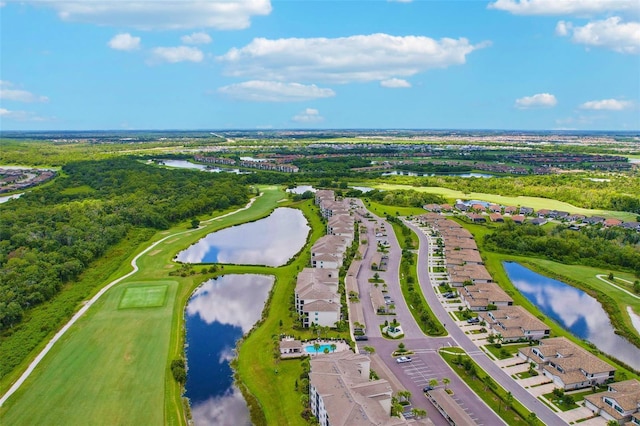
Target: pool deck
[{"x": 340, "y": 345}]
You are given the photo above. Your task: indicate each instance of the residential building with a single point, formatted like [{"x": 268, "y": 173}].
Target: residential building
[
  {"x": 515, "y": 323},
  {"x": 478, "y": 297},
  {"x": 567, "y": 364},
  {"x": 621, "y": 402},
  {"x": 317, "y": 299},
  {"x": 341, "y": 393}
]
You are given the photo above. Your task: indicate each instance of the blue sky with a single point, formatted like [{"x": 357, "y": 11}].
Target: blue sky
[{"x": 256, "y": 64}]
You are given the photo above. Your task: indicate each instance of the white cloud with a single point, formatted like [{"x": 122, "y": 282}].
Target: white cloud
[
  {"x": 177, "y": 54},
  {"x": 607, "y": 104},
  {"x": 163, "y": 15},
  {"x": 275, "y": 91},
  {"x": 540, "y": 100},
  {"x": 563, "y": 7},
  {"x": 563, "y": 28},
  {"x": 357, "y": 58},
  {"x": 611, "y": 33},
  {"x": 124, "y": 41},
  {"x": 20, "y": 115},
  {"x": 8, "y": 93},
  {"x": 196, "y": 38},
  {"x": 309, "y": 115},
  {"x": 395, "y": 83}
]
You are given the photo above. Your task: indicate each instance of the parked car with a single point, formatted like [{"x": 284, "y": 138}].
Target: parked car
[
  {"x": 427, "y": 388},
  {"x": 362, "y": 337},
  {"x": 473, "y": 320},
  {"x": 403, "y": 359}
]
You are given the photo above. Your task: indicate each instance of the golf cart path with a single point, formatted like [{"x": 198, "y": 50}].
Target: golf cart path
[{"x": 94, "y": 299}]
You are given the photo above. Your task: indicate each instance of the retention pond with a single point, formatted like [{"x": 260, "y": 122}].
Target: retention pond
[
  {"x": 219, "y": 313},
  {"x": 574, "y": 310},
  {"x": 271, "y": 241}
]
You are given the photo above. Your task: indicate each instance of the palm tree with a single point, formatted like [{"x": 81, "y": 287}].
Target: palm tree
[
  {"x": 433, "y": 383},
  {"x": 333, "y": 347},
  {"x": 418, "y": 413},
  {"x": 509, "y": 400},
  {"x": 392, "y": 307},
  {"x": 445, "y": 382},
  {"x": 404, "y": 395},
  {"x": 369, "y": 349},
  {"x": 316, "y": 347}
]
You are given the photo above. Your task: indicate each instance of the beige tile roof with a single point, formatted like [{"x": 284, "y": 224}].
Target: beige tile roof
[
  {"x": 350, "y": 398},
  {"x": 321, "y": 306},
  {"x": 571, "y": 358},
  {"x": 451, "y": 407}
]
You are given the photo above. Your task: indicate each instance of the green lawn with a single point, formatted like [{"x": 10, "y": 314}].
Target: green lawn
[
  {"x": 112, "y": 366},
  {"x": 145, "y": 296},
  {"x": 108, "y": 369},
  {"x": 486, "y": 389},
  {"x": 535, "y": 202}
]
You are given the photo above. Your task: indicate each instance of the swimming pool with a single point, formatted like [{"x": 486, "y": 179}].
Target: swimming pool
[{"x": 311, "y": 350}]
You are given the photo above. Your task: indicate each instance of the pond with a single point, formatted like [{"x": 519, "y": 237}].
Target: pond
[
  {"x": 219, "y": 313},
  {"x": 184, "y": 164},
  {"x": 271, "y": 241},
  {"x": 574, "y": 310},
  {"x": 462, "y": 175},
  {"x": 10, "y": 197},
  {"x": 301, "y": 189}
]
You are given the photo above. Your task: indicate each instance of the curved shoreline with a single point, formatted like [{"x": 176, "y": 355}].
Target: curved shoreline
[{"x": 25, "y": 375}]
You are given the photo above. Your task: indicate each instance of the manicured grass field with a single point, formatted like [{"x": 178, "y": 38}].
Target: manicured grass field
[
  {"x": 112, "y": 367},
  {"x": 150, "y": 296},
  {"x": 109, "y": 369},
  {"x": 535, "y": 202}
]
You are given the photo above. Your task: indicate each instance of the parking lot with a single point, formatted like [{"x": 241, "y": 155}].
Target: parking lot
[{"x": 421, "y": 374}]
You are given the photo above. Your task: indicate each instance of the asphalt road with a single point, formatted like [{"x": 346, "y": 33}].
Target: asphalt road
[
  {"x": 427, "y": 363},
  {"x": 544, "y": 414}
]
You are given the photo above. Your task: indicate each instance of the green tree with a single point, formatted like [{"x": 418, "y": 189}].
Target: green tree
[
  {"x": 333, "y": 347},
  {"x": 418, "y": 413},
  {"x": 445, "y": 382},
  {"x": 195, "y": 223},
  {"x": 369, "y": 349}
]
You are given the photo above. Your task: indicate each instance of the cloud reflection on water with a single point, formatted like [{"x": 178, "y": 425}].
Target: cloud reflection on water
[
  {"x": 229, "y": 409},
  {"x": 271, "y": 241},
  {"x": 235, "y": 300},
  {"x": 575, "y": 310}
]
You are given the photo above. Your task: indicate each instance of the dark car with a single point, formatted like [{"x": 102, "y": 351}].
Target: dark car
[
  {"x": 427, "y": 388},
  {"x": 363, "y": 337},
  {"x": 473, "y": 320}
]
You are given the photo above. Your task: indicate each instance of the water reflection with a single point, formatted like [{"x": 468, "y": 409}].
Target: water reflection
[
  {"x": 575, "y": 310},
  {"x": 271, "y": 241},
  {"x": 218, "y": 314},
  {"x": 462, "y": 175},
  {"x": 301, "y": 189},
  {"x": 10, "y": 197}
]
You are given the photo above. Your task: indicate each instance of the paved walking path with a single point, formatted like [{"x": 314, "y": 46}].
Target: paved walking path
[{"x": 89, "y": 304}]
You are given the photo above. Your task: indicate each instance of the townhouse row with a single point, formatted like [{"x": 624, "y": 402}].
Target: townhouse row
[{"x": 317, "y": 299}]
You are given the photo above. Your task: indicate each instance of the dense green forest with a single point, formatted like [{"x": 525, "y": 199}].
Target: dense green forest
[
  {"x": 592, "y": 246},
  {"x": 615, "y": 192},
  {"x": 51, "y": 235},
  {"x": 405, "y": 198}
]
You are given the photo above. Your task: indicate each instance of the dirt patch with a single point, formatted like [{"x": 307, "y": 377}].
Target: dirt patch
[
  {"x": 171, "y": 241},
  {"x": 168, "y": 266},
  {"x": 153, "y": 253}
]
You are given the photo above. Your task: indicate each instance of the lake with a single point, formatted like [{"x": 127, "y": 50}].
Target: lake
[
  {"x": 301, "y": 189},
  {"x": 184, "y": 164},
  {"x": 10, "y": 197},
  {"x": 219, "y": 313},
  {"x": 462, "y": 175},
  {"x": 271, "y": 241},
  {"x": 574, "y": 310}
]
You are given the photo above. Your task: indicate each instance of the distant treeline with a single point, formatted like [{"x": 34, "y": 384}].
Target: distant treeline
[
  {"x": 405, "y": 198},
  {"x": 606, "y": 248},
  {"x": 51, "y": 235}
]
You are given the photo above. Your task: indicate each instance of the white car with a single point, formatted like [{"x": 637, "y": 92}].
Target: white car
[{"x": 403, "y": 359}]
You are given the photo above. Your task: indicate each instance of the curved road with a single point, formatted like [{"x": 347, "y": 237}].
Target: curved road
[
  {"x": 90, "y": 302},
  {"x": 544, "y": 414}
]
